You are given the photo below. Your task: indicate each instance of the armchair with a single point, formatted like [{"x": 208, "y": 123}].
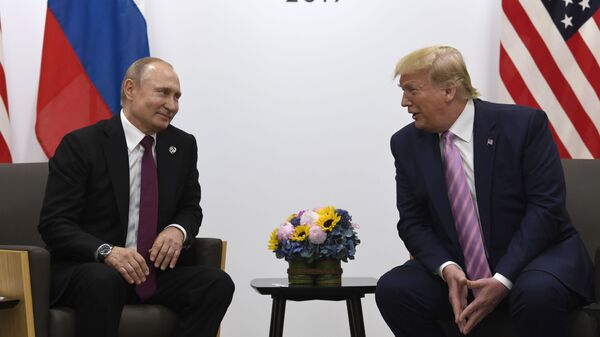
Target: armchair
[
  {"x": 582, "y": 179},
  {"x": 22, "y": 189}
]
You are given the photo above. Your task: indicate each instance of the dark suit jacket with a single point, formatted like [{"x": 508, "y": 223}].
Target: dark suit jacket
[
  {"x": 520, "y": 191},
  {"x": 87, "y": 195}
]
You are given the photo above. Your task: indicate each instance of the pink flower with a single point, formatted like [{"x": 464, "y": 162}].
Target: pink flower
[
  {"x": 316, "y": 235},
  {"x": 285, "y": 231},
  {"x": 355, "y": 225},
  {"x": 309, "y": 218}
]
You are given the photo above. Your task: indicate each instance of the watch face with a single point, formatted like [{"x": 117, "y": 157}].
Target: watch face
[{"x": 104, "y": 250}]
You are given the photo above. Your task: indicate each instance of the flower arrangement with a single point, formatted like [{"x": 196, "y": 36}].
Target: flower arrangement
[{"x": 317, "y": 234}]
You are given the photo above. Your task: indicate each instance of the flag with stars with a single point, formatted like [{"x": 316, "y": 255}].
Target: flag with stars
[{"x": 549, "y": 59}]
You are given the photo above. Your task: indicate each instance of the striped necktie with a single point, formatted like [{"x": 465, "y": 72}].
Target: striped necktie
[{"x": 463, "y": 210}]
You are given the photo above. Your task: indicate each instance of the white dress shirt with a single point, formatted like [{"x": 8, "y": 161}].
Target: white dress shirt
[
  {"x": 135, "y": 150},
  {"x": 463, "y": 140}
]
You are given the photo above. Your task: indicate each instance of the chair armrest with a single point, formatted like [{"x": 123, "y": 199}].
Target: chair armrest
[
  {"x": 597, "y": 274},
  {"x": 39, "y": 272},
  {"x": 206, "y": 252}
]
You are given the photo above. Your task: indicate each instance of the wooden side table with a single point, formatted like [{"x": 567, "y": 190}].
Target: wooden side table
[
  {"x": 351, "y": 290},
  {"x": 15, "y": 286}
]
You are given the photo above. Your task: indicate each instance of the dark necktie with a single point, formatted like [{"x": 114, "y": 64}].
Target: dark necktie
[
  {"x": 148, "y": 216},
  {"x": 463, "y": 210}
]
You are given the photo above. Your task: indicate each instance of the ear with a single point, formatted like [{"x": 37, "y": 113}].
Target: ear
[
  {"x": 450, "y": 91},
  {"x": 129, "y": 89}
]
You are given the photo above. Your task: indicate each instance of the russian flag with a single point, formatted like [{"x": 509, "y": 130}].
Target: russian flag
[{"x": 88, "y": 46}]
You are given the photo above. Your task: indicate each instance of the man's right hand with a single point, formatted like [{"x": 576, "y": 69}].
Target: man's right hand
[
  {"x": 129, "y": 263},
  {"x": 457, "y": 290}
]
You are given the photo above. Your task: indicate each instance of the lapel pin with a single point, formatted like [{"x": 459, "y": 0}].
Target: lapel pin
[
  {"x": 173, "y": 149},
  {"x": 490, "y": 142}
]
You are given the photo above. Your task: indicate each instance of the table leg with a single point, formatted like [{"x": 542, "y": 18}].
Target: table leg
[
  {"x": 355, "y": 316},
  {"x": 351, "y": 318},
  {"x": 277, "y": 316}
]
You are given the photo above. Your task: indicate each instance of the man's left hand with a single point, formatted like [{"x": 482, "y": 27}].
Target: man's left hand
[
  {"x": 491, "y": 293},
  {"x": 166, "y": 248}
]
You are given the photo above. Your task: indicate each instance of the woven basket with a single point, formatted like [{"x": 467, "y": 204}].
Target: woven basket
[{"x": 320, "y": 273}]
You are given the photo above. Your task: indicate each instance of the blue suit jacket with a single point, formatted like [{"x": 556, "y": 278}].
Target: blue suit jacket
[{"x": 520, "y": 191}]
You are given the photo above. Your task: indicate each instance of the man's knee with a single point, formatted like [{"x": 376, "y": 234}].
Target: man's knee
[
  {"x": 223, "y": 283},
  {"x": 402, "y": 285},
  {"x": 390, "y": 287},
  {"x": 100, "y": 279},
  {"x": 537, "y": 291},
  {"x": 213, "y": 282}
]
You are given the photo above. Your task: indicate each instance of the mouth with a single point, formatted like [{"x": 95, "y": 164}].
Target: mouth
[
  {"x": 165, "y": 115},
  {"x": 414, "y": 114}
]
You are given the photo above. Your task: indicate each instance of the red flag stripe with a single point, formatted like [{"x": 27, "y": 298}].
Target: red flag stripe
[
  {"x": 3, "y": 91},
  {"x": 4, "y": 151},
  {"x": 516, "y": 86},
  {"x": 590, "y": 34},
  {"x": 554, "y": 77},
  {"x": 585, "y": 60},
  {"x": 5, "y": 155}
]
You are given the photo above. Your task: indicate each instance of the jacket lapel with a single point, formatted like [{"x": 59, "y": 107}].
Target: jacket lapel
[
  {"x": 117, "y": 161},
  {"x": 430, "y": 162},
  {"x": 484, "y": 149},
  {"x": 167, "y": 153}
]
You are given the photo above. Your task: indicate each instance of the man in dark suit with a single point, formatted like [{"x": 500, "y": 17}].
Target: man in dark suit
[
  {"x": 121, "y": 206},
  {"x": 481, "y": 197}
]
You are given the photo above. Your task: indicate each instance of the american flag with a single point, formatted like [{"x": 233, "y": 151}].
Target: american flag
[
  {"x": 5, "y": 156},
  {"x": 549, "y": 56}
]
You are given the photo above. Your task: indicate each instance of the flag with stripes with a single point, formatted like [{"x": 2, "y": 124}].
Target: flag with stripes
[
  {"x": 5, "y": 156},
  {"x": 549, "y": 59},
  {"x": 87, "y": 48}
]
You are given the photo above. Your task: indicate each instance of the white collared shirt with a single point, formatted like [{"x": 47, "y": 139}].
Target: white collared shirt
[
  {"x": 463, "y": 140},
  {"x": 135, "y": 151}
]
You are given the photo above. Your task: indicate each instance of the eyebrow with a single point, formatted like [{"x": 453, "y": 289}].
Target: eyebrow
[{"x": 177, "y": 93}]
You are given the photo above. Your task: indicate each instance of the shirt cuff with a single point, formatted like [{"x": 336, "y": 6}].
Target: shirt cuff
[
  {"x": 506, "y": 282},
  {"x": 441, "y": 268},
  {"x": 181, "y": 229}
]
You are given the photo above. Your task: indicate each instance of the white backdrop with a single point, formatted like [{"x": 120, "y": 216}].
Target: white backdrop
[{"x": 293, "y": 105}]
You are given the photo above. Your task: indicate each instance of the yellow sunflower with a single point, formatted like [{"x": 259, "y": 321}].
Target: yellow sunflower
[
  {"x": 291, "y": 217},
  {"x": 300, "y": 233},
  {"x": 328, "y": 218},
  {"x": 273, "y": 242}
]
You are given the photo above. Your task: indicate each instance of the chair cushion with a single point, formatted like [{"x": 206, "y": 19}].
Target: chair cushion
[
  {"x": 498, "y": 324},
  {"x": 146, "y": 320}
]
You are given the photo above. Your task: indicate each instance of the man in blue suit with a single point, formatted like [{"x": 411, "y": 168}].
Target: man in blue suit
[{"x": 536, "y": 265}]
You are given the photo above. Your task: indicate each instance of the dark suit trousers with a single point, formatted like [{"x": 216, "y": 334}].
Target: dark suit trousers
[
  {"x": 199, "y": 295},
  {"x": 411, "y": 300}
]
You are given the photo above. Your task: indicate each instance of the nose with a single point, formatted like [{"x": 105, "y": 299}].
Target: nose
[
  {"x": 405, "y": 101},
  {"x": 172, "y": 104}
]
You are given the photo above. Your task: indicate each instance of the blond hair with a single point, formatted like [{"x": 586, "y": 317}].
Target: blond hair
[{"x": 445, "y": 64}]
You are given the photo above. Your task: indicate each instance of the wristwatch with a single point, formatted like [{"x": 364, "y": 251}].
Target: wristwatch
[{"x": 103, "y": 251}]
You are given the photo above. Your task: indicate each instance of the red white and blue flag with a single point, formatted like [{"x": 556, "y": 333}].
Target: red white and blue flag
[
  {"x": 88, "y": 46},
  {"x": 5, "y": 156},
  {"x": 549, "y": 59}
]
